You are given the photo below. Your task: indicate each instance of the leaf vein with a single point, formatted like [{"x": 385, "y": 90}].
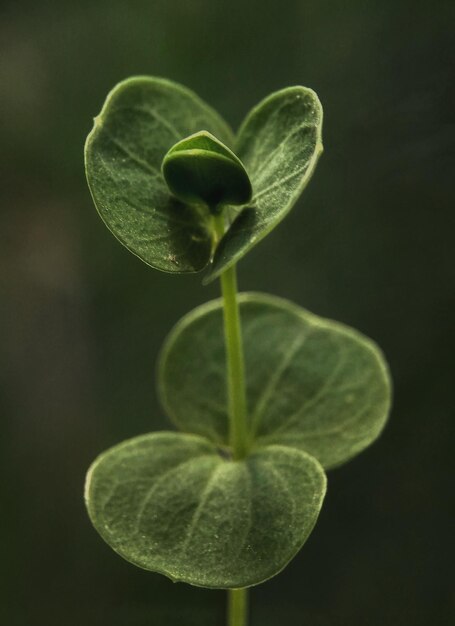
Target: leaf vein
[
  {"x": 279, "y": 182},
  {"x": 162, "y": 478},
  {"x": 198, "y": 511},
  {"x": 278, "y": 147},
  {"x": 156, "y": 116},
  {"x": 273, "y": 381},
  {"x": 312, "y": 401},
  {"x": 145, "y": 165}
]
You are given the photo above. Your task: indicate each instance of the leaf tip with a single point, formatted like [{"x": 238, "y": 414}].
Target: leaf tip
[{"x": 97, "y": 121}]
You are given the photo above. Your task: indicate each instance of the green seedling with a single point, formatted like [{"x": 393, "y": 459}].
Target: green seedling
[{"x": 266, "y": 396}]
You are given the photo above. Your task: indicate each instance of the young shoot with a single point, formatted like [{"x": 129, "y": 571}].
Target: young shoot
[{"x": 264, "y": 396}]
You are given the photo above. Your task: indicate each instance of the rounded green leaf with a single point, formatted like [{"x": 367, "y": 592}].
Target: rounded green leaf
[
  {"x": 172, "y": 504},
  {"x": 279, "y": 144},
  {"x": 140, "y": 121},
  {"x": 200, "y": 169},
  {"x": 312, "y": 383}
]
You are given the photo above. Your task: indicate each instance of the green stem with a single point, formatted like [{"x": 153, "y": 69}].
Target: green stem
[
  {"x": 238, "y": 434},
  {"x": 237, "y": 607}
]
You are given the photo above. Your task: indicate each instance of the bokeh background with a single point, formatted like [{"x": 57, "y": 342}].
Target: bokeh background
[{"x": 82, "y": 320}]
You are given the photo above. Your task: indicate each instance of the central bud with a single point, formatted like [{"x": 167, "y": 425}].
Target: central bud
[{"x": 202, "y": 170}]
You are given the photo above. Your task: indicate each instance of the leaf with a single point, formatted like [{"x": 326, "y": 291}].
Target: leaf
[
  {"x": 279, "y": 144},
  {"x": 200, "y": 169},
  {"x": 140, "y": 120},
  {"x": 171, "y": 503},
  {"x": 312, "y": 383}
]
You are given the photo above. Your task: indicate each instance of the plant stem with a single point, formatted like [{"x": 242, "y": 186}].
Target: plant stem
[
  {"x": 237, "y": 607},
  {"x": 238, "y": 435}
]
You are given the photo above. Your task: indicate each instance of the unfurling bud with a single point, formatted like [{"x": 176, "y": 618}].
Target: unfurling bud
[{"x": 201, "y": 169}]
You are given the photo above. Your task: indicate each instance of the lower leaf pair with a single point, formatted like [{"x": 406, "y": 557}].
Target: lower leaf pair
[{"x": 318, "y": 393}]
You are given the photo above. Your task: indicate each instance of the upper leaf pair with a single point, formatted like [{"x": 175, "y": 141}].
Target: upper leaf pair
[
  {"x": 311, "y": 383},
  {"x": 143, "y": 118}
]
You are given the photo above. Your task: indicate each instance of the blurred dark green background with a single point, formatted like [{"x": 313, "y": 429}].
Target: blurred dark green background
[{"x": 82, "y": 320}]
